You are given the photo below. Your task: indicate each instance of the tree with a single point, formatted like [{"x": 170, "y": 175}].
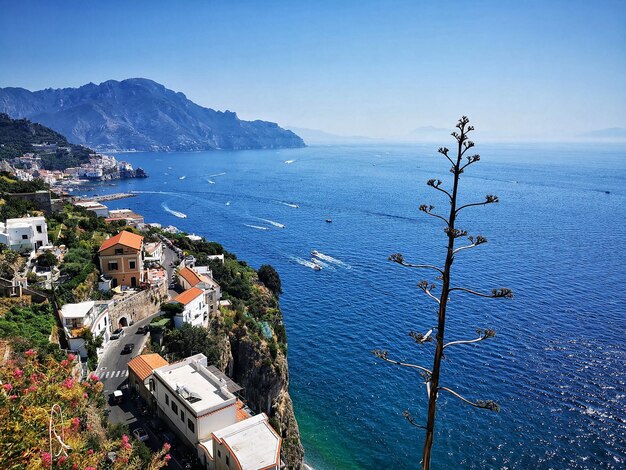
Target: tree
[
  {"x": 269, "y": 276},
  {"x": 189, "y": 340},
  {"x": 431, "y": 377}
]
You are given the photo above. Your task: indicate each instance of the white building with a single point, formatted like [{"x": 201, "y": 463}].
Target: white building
[
  {"x": 100, "y": 209},
  {"x": 85, "y": 315},
  {"x": 250, "y": 444},
  {"x": 192, "y": 400},
  {"x": 153, "y": 251},
  {"x": 195, "y": 308},
  {"x": 24, "y": 234}
]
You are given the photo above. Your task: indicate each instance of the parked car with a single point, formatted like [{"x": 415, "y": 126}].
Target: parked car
[
  {"x": 142, "y": 330},
  {"x": 117, "y": 334},
  {"x": 141, "y": 434},
  {"x": 117, "y": 397},
  {"x": 128, "y": 348}
]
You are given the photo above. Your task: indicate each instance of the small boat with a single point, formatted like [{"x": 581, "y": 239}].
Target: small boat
[
  {"x": 317, "y": 267},
  {"x": 228, "y": 203},
  {"x": 182, "y": 177},
  {"x": 315, "y": 253},
  {"x": 329, "y": 221}
]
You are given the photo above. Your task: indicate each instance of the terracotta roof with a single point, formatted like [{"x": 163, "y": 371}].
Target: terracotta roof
[
  {"x": 190, "y": 276},
  {"x": 241, "y": 414},
  {"x": 143, "y": 365},
  {"x": 188, "y": 295},
  {"x": 125, "y": 238}
]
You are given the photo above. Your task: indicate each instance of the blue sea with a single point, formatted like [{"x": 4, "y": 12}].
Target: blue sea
[{"x": 557, "y": 238}]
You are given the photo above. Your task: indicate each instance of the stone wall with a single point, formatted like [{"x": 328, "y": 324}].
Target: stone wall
[{"x": 138, "y": 306}]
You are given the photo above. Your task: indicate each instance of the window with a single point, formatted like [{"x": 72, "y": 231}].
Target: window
[
  {"x": 133, "y": 264},
  {"x": 219, "y": 454},
  {"x": 24, "y": 237},
  {"x": 119, "y": 251},
  {"x": 174, "y": 407},
  {"x": 39, "y": 230},
  {"x": 167, "y": 399},
  {"x": 227, "y": 461},
  {"x": 191, "y": 427},
  {"x": 112, "y": 265},
  {"x": 182, "y": 416}
]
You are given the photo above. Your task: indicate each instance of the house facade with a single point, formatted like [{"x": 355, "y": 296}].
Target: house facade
[
  {"x": 195, "y": 308},
  {"x": 140, "y": 370},
  {"x": 25, "y": 233},
  {"x": 121, "y": 259},
  {"x": 190, "y": 278},
  {"x": 92, "y": 316}
]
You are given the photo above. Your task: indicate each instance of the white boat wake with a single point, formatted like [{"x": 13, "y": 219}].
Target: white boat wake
[
  {"x": 217, "y": 174},
  {"x": 289, "y": 204},
  {"x": 275, "y": 224},
  {"x": 210, "y": 181},
  {"x": 304, "y": 262},
  {"x": 182, "y": 177},
  {"x": 288, "y": 162},
  {"x": 330, "y": 259},
  {"x": 178, "y": 214},
  {"x": 258, "y": 227}
]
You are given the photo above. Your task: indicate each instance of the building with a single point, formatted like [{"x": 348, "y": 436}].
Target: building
[
  {"x": 140, "y": 370},
  {"x": 121, "y": 259},
  {"x": 193, "y": 281},
  {"x": 100, "y": 209},
  {"x": 250, "y": 444},
  {"x": 126, "y": 215},
  {"x": 24, "y": 234},
  {"x": 192, "y": 400},
  {"x": 195, "y": 309},
  {"x": 153, "y": 252},
  {"x": 92, "y": 316}
]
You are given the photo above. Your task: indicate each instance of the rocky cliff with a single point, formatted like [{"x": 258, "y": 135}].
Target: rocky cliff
[{"x": 140, "y": 114}]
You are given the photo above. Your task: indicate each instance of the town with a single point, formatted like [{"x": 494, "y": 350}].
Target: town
[{"x": 143, "y": 289}]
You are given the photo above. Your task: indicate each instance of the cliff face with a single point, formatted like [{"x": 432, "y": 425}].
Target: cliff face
[{"x": 266, "y": 387}]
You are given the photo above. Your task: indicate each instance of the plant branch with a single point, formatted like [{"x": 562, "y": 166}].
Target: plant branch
[
  {"x": 399, "y": 258},
  {"x": 486, "y": 404},
  {"x": 427, "y": 288},
  {"x": 384, "y": 356},
  {"x": 489, "y": 199},
  {"x": 475, "y": 242},
  {"x": 495, "y": 293},
  {"x": 428, "y": 210},
  {"x": 482, "y": 335},
  {"x": 436, "y": 184}
]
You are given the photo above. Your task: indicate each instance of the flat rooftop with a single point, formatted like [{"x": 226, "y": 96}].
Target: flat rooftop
[
  {"x": 79, "y": 310},
  {"x": 252, "y": 441},
  {"x": 193, "y": 382}
]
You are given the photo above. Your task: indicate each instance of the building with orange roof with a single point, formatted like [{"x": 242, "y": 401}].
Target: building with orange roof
[
  {"x": 121, "y": 259},
  {"x": 195, "y": 308},
  {"x": 140, "y": 370},
  {"x": 201, "y": 278}
]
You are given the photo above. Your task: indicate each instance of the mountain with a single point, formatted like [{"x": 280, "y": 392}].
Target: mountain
[
  {"x": 317, "y": 137},
  {"x": 611, "y": 133},
  {"x": 140, "y": 114},
  {"x": 19, "y": 136}
]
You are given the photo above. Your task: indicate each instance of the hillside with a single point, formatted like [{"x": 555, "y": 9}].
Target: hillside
[
  {"x": 19, "y": 136},
  {"x": 140, "y": 114}
]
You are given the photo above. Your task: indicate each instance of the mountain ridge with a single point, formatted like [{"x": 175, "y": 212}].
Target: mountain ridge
[{"x": 140, "y": 114}]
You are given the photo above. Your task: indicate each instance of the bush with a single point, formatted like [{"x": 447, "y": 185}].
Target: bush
[{"x": 270, "y": 278}]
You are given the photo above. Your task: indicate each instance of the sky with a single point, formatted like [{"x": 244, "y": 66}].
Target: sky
[{"x": 519, "y": 69}]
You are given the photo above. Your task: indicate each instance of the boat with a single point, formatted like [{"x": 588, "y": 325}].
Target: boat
[
  {"x": 329, "y": 221},
  {"x": 315, "y": 253},
  {"x": 317, "y": 267},
  {"x": 228, "y": 203},
  {"x": 182, "y": 177}
]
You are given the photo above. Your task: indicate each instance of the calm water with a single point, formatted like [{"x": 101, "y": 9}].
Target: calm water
[{"x": 557, "y": 364}]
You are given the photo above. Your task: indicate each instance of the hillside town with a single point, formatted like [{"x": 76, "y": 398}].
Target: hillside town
[{"x": 145, "y": 289}]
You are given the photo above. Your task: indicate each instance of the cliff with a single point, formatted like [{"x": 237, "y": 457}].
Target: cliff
[{"x": 140, "y": 114}]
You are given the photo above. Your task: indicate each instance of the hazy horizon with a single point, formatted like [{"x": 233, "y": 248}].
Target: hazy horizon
[{"x": 530, "y": 71}]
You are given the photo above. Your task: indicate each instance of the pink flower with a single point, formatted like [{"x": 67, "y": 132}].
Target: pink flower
[
  {"x": 167, "y": 446},
  {"x": 13, "y": 397},
  {"x": 32, "y": 388},
  {"x": 167, "y": 457},
  {"x": 64, "y": 362},
  {"x": 46, "y": 459},
  {"x": 71, "y": 356},
  {"x": 75, "y": 422},
  {"x": 94, "y": 377},
  {"x": 85, "y": 396},
  {"x": 90, "y": 451},
  {"x": 62, "y": 460},
  {"x": 30, "y": 352},
  {"x": 69, "y": 383},
  {"x": 7, "y": 387},
  {"x": 18, "y": 373},
  {"x": 125, "y": 439},
  {"x": 90, "y": 468}
]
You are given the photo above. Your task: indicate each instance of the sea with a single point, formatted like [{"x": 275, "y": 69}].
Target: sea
[{"x": 557, "y": 238}]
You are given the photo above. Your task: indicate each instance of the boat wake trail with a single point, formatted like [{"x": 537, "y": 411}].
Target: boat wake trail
[
  {"x": 330, "y": 259},
  {"x": 258, "y": 227},
  {"x": 289, "y": 204},
  {"x": 180, "y": 215},
  {"x": 210, "y": 181},
  {"x": 217, "y": 174},
  {"x": 288, "y": 162},
  {"x": 271, "y": 222},
  {"x": 304, "y": 262}
]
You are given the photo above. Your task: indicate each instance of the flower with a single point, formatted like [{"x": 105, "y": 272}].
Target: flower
[
  {"x": 7, "y": 387},
  {"x": 18, "y": 373},
  {"x": 75, "y": 422},
  {"x": 167, "y": 446},
  {"x": 64, "y": 362},
  {"x": 46, "y": 458},
  {"x": 30, "y": 352},
  {"x": 90, "y": 468},
  {"x": 167, "y": 457},
  {"x": 71, "y": 357},
  {"x": 69, "y": 383},
  {"x": 94, "y": 377},
  {"x": 62, "y": 460},
  {"x": 90, "y": 451}
]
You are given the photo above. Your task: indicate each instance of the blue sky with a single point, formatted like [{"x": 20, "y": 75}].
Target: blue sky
[{"x": 518, "y": 69}]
